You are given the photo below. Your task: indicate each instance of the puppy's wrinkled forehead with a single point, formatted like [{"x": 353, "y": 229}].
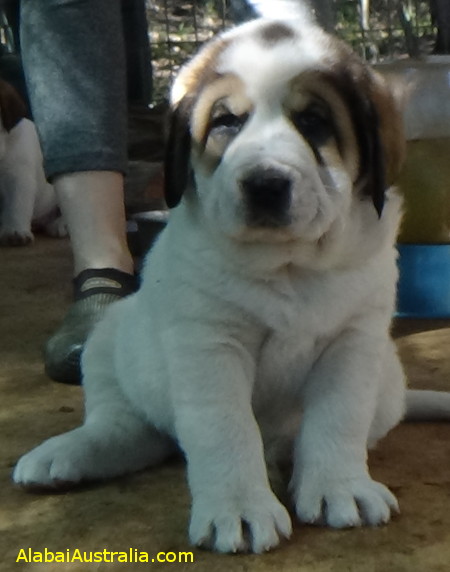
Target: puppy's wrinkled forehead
[{"x": 270, "y": 54}]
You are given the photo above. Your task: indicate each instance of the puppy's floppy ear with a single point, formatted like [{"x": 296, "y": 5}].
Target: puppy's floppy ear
[
  {"x": 382, "y": 136},
  {"x": 12, "y": 107},
  {"x": 388, "y": 101},
  {"x": 177, "y": 169},
  {"x": 372, "y": 176},
  {"x": 378, "y": 126}
]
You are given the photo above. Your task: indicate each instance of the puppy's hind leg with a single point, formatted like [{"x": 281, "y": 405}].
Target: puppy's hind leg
[{"x": 113, "y": 440}]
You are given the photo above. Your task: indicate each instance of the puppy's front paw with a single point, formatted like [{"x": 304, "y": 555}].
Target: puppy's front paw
[
  {"x": 11, "y": 237},
  {"x": 254, "y": 521},
  {"x": 343, "y": 502},
  {"x": 56, "y": 463}
]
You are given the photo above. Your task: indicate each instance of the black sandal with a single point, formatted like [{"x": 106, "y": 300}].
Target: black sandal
[{"x": 94, "y": 291}]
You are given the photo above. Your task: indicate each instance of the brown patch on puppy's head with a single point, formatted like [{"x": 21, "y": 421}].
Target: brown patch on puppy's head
[
  {"x": 276, "y": 32},
  {"x": 198, "y": 72},
  {"x": 12, "y": 107}
]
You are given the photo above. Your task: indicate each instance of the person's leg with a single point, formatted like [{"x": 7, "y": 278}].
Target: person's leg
[
  {"x": 73, "y": 56},
  {"x": 74, "y": 62},
  {"x": 93, "y": 206}
]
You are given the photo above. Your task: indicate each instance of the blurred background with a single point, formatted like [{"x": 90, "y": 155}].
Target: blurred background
[{"x": 378, "y": 30}]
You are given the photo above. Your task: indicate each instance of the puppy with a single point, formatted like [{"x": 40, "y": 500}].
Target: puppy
[
  {"x": 263, "y": 317},
  {"x": 26, "y": 199}
]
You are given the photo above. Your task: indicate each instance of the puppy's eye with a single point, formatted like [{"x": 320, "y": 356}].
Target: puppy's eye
[
  {"x": 228, "y": 121},
  {"x": 315, "y": 124}
]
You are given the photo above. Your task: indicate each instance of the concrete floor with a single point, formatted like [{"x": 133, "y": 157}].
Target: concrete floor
[{"x": 149, "y": 511}]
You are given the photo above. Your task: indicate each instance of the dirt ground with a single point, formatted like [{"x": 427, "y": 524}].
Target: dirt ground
[{"x": 149, "y": 511}]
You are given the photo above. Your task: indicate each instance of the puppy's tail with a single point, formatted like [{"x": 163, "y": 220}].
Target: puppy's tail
[
  {"x": 282, "y": 9},
  {"x": 427, "y": 405}
]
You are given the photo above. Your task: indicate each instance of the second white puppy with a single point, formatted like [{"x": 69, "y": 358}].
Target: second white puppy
[{"x": 27, "y": 200}]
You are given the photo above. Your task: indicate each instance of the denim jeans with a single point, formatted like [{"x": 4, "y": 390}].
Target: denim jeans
[{"x": 74, "y": 62}]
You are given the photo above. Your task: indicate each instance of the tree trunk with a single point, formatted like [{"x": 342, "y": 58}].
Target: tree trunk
[{"x": 440, "y": 13}]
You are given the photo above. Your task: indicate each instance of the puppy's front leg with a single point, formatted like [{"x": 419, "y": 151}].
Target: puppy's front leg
[
  {"x": 226, "y": 469},
  {"x": 331, "y": 482}
]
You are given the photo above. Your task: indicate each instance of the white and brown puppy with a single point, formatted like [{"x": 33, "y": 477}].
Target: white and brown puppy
[
  {"x": 26, "y": 199},
  {"x": 263, "y": 316}
]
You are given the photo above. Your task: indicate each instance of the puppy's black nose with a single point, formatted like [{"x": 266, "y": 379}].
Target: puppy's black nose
[{"x": 267, "y": 195}]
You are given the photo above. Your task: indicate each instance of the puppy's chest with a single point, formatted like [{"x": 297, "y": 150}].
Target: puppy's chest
[
  {"x": 285, "y": 359},
  {"x": 302, "y": 316}
]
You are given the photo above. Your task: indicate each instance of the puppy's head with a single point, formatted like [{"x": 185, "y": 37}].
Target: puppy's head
[{"x": 277, "y": 129}]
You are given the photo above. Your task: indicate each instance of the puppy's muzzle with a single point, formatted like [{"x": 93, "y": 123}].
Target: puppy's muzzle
[{"x": 267, "y": 197}]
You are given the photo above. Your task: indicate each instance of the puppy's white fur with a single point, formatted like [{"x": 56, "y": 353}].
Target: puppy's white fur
[
  {"x": 245, "y": 336},
  {"x": 26, "y": 198}
]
